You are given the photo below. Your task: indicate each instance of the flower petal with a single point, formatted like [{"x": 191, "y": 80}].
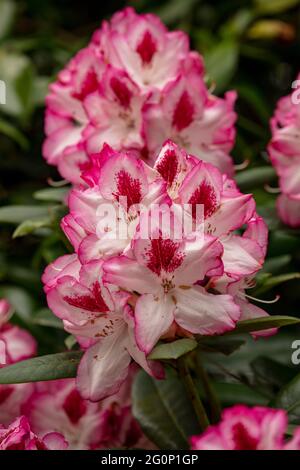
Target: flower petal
[{"x": 203, "y": 313}]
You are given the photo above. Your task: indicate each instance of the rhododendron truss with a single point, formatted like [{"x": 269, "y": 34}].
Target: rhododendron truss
[
  {"x": 285, "y": 156},
  {"x": 135, "y": 85},
  {"x": 53, "y": 415},
  {"x": 177, "y": 272},
  {"x": 57, "y": 406},
  {"x": 19, "y": 436},
  {"x": 244, "y": 428},
  {"x": 16, "y": 344}
]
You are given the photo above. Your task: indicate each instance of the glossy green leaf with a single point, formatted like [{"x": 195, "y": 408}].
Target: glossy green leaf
[
  {"x": 264, "y": 323},
  {"x": 19, "y": 214},
  {"x": 221, "y": 62},
  {"x": 232, "y": 393},
  {"x": 270, "y": 373},
  {"x": 255, "y": 177},
  {"x": 45, "y": 317},
  {"x": 20, "y": 299},
  {"x": 173, "y": 350},
  {"x": 51, "y": 194},
  {"x": 164, "y": 411},
  {"x": 274, "y": 281},
  {"x": 50, "y": 367},
  {"x": 13, "y": 133},
  {"x": 29, "y": 226},
  {"x": 219, "y": 344},
  {"x": 289, "y": 399}
]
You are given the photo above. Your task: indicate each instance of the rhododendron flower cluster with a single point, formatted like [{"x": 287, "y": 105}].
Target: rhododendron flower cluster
[
  {"x": 187, "y": 275},
  {"x": 19, "y": 436},
  {"x": 285, "y": 156},
  {"x": 244, "y": 428},
  {"x": 52, "y": 415},
  {"x": 16, "y": 344},
  {"x": 57, "y": 406},
  {"x": 135, "y": 85}
]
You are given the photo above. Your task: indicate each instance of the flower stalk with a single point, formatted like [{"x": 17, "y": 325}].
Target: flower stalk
[
  {"x": 212, "y": 398},
  {"x": 187, "y": 380}
]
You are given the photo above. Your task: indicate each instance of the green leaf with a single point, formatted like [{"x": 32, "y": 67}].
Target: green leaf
[
  {"x": 52, "y": 194},
  {"x": 219, "y": 344},
  {"x": 274, "y": 281},
  {"x": 173, "y": 350},
  {"x": 18, "y": 75},
  {"x": 274, "y": 6},
  {"x": 276, "y": 264},
  {"x": 19, "y": 214},
  {"x": 50, "y": 367},
  {"x": 221, "y": 63},
  {"x": 289, "y": 399},
  {"x": 237, "y": 24},
  {"x": 29, "y": 226},
  {"x": 40, "y": 90},
  {"x": 19, "y": 298},
  {"x": 174, "y": 10},
  {"x": 272, "y": 373},
  {"x": 254, "y": 98},
  {"x": 236, "y": 366},
  {"x": 255, "y": 177},
  {"x": 13, "y": 133},
  {"x": 233, "y": 393},
  {"x": 45, "y": 317},
  {"x": 70, "y": 342},
  {"x": 163, "y": 410},
  {"x": 263, "y": 323},
  {"x": 7, "y": 14}
]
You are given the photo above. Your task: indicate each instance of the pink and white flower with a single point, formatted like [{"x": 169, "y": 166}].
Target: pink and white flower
[
  {"x": 102, "y": 322},
  {"x": 193, "y": 118},
  {"x": 164, "y": 272},
  {"x": 131, "y": 88},
  {"x": 143, "y": 47},
  {"x": 16, "y": 344},
  {"x": 65, "y": 118},
  {"x": 243, "y": 428},
  {"x": 177, "y": 272},
  {"x": 19, "y": 436},
  {"x": 285, "y": 157},
  {"x": 57, "y": 406},
  {"x": 104, "y": 217}
]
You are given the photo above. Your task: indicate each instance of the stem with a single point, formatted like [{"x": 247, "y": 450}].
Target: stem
[
  {"x": 214, "y": 403},
  {"x": 192, "y": 392}
]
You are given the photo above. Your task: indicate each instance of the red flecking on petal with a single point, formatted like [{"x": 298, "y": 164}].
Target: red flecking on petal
[
  {"x": 5, "y": 392},
  {"x": 206, "y": 196},
  {"x": 147, "y": 48},
  {"x": 89, "y": 85},
  {"x": 242, "y": 439},
  {"x": 128, "y": 187},
  {"x": 74, "y": 406},
  {"x": 184, "y": 112},
  {"x": 121, "y": 91},
  {"x": 167, "y": 166},
  {"x": 164, "y": 255},
  {"x": 92, "y": 303}
]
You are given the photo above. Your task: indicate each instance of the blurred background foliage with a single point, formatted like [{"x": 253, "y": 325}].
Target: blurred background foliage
[{"x": 248, "y": 45}]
